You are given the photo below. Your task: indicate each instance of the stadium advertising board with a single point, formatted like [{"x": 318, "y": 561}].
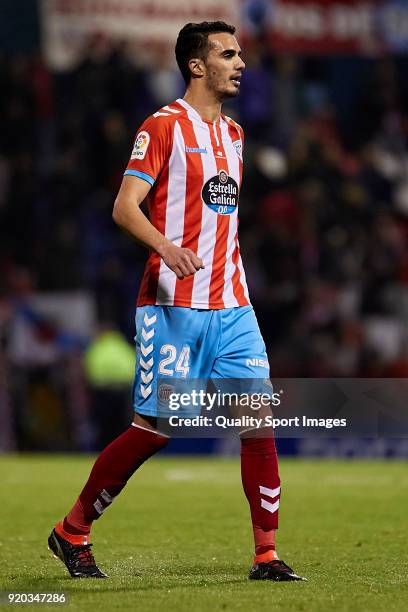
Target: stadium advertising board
[
  {"x": 302, "y": 26},
  {"x": 332, "y": 26},
  {"x": 67, "y": 25}
]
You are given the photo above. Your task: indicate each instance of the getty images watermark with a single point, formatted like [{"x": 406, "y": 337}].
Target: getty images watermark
[
  {"x": 293, "y": 408},
  {"x": 207, "y": 400}
]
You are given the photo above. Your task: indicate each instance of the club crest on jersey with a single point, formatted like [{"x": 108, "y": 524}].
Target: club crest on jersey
[
  {"x": 238, "y": 147},
  {"x": 140, "y": 146},
  {"x": 220, "y": 193},
  {"x": 164, "y": 392}
]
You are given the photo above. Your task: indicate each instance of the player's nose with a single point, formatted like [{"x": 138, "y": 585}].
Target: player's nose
[{"x": 241, "y": 64}]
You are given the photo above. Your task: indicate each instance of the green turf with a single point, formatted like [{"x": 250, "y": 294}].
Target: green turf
[{"x": 179, "y": 537}]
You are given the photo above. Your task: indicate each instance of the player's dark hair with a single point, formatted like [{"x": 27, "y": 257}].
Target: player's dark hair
[{"x": 192, "y": 41}]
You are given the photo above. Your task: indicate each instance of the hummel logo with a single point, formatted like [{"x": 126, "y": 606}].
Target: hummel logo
[{"x": 195, "y": 150}]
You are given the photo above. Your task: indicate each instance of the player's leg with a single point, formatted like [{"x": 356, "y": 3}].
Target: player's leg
[
  {"x": 70, "y": 539},
  {"x": 242, "y": 355},
  {"x": 167, "y": 346}
]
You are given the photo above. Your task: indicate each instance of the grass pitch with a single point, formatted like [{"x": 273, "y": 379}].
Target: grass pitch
[{"x": 179, "y": 536}]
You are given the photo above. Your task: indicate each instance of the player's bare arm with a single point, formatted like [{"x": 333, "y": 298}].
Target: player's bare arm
[{"x": 127, "y": 214}]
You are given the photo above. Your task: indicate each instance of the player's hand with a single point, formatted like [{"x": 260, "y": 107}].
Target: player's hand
[{"x": 183, "y": 262}]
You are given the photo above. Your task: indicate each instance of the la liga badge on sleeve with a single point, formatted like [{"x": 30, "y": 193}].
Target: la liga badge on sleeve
[{"x": 140, "y": 146}]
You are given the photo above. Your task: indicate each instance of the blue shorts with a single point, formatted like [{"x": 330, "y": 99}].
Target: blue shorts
[{"x": 188, "y": 343}]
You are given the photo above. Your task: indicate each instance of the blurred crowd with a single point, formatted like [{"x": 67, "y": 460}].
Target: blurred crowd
[{"x": 324, "y": 204}]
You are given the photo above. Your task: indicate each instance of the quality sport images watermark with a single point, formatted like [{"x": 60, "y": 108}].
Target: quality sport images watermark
[
  {"x": 245, "y": 422},
  {"x": 290, "y": 407}
]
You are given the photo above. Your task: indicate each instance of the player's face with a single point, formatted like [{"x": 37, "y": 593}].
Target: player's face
[{"x": 223, "y": 66}]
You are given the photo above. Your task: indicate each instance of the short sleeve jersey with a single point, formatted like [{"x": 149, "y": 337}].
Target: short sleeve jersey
[{"x": 195, "y": 169}]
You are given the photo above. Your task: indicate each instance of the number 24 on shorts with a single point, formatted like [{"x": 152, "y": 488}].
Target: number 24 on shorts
[{"x": 182, "y": 364}]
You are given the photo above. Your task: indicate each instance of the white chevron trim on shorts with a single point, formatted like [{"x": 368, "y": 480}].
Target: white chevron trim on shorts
[
  {"x": 150, "y": 321},
  {"x": 270, "y": 507},
  {"x": 146, "y": 365},
  {"x": 146, "y": 350},
  {"x": 146, "y": 377},
  {"x": 269, "y": 492},
  {"x": 145, "y": 391},
  {"x": 146, "y": 335}
]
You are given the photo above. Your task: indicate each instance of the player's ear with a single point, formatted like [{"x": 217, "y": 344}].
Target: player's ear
[{"x": 196, "y": 66}]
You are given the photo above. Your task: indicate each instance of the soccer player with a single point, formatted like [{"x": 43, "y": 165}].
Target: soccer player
[{"x": 194, "y": 316}]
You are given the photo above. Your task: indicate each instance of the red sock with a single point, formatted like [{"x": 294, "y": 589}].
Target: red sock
[
  {"x": 260, "y": 479},
  {"x": 111, "y": 471}
]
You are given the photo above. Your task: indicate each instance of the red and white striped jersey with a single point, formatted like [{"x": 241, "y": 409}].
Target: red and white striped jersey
[{"x": 195, "y": 169}]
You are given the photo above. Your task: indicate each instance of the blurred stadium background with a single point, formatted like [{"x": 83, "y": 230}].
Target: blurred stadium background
[{"x": 324, "y": 206}]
